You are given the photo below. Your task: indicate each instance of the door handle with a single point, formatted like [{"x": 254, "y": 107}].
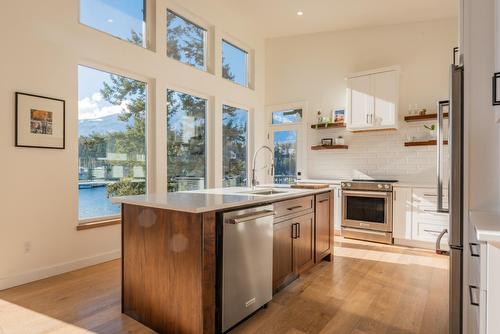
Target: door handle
[
  {"x": 250, "y": 216},
  {"x": 473, "y": 301},
  {"x": 473, "y": 246}
]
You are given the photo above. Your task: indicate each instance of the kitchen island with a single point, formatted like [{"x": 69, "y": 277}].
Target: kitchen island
[{"x": 171, "y": 250}]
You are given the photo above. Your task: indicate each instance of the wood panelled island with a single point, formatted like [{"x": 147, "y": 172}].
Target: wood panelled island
[{"x": 171, "y": 250}]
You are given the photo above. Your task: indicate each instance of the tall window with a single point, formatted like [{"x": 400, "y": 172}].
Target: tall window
[
  {"x": 234, "y": 139},
  {"x": 124, "y": 19},
  {"x": 285, "y": 156},
  {"x": 186, "y": 141},
  {"x": 186, "y": 41},
  {"x": 234, "y": 63},
  {"x": 112, "y": 140}
]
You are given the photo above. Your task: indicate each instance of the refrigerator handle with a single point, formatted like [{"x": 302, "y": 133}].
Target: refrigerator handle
[{"x": 440, "y": 154}]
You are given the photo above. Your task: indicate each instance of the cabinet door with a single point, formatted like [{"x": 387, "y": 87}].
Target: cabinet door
[
  {"x": 402, "y": 213},
  {"x": 385, "y": 91},
  {"x": 283, "y": 255},
  {"x": 323, "y": 226},
  {"x": 303, "y": 244},
  {"x": 360, "y": 102}
]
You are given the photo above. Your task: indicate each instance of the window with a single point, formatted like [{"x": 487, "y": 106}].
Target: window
[
  {"x": 186, "y": 41},
  {"x": 112, "y": 141},
  {"x": 287, "y": 116},
  {"x": 186, "y": 141},
  {"x": 234, "y": 63},
  {"x": 285, "y": 156},
  {"x": 234, "y": 139},
  {"x": 124, "y": 19}
]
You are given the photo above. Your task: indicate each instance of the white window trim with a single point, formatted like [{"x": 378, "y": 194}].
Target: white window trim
[
  {"x": 150, "y": 137},
  {"x": 300, "y": 127}
]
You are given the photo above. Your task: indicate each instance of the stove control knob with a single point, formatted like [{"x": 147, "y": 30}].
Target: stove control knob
[
  {"x": 342, "y": 184},
  {"x": 386, "y": 186},
  {"x": 379, "y": 186}
]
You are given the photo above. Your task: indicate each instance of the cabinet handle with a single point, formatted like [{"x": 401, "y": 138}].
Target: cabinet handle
[
  {"x": 473, "y": 301},
  {"x": 433, "y": 231},
  {"x": 294, "y": 207},
  {"x": 323, "y": 200},
  {"x": 294, "y": 231},
  {"x": 472, "y": 247},
  {"x": 394, "y": 193},
  {"x": 298, "y": 230},
  {"x": 367, "y": 119}
]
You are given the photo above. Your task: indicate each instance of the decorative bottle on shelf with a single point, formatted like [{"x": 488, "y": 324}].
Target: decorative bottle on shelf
[{"x": 299, "y": 176}]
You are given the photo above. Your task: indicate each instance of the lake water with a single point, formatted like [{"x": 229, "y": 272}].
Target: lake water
[{"x": 94, "y": 202}]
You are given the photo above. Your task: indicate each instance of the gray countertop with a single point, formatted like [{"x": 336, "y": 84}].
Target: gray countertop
[{"x": 211, "y": 199}]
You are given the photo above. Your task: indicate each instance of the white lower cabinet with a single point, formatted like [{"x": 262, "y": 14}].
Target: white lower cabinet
[
  {"x": 415, "y": 220},
  {"x": 337, "y": 208}
]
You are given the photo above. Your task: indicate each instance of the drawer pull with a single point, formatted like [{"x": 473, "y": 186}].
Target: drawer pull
[
  {"x": 433, "y": 231},
  {"x": 474, "y": 250},
  {"x": 294, "y": 207},
  {"x": 323, "y": 200},
  {"x": 430, "y": 195},
  {"x": 473, "y": 301}
]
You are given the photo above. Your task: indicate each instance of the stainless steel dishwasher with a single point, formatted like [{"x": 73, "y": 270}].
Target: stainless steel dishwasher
[{"x": 247, "y": 264}]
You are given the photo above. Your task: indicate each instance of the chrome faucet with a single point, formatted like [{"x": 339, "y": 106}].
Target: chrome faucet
[{"x": 254, "y": 181}]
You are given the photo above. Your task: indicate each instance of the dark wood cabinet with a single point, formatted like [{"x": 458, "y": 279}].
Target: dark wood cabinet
[
  {"x": 283, "y": 255},
  {"x": 303, "y": 243},
  {"x": 303, "y": 235},
  {"x": 323, "y": 231}
]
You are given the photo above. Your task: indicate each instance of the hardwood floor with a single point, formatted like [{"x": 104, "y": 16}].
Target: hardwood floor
[{"x": 369, "y": 288}]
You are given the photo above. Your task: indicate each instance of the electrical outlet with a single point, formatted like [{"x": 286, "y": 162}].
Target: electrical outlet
[{"x": 27, "y": 247}]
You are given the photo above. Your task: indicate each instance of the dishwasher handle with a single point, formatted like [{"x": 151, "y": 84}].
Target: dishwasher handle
[{"x": 249, "y": 216}]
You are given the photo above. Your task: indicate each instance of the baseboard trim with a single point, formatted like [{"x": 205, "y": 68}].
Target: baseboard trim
[
  {"x": 61, "y": 268},
  {"x": 418, "y": 244}
]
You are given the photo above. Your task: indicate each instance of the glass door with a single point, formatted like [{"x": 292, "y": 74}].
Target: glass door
[{"x": 284, "y": 142}]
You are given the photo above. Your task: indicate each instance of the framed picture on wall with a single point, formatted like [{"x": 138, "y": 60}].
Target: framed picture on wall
[
  {"x": 40, "y": 121},
  {"x": 339, "y": 116}
]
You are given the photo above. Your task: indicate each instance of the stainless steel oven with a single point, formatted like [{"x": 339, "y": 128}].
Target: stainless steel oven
[{"x": 367, "y": 210}]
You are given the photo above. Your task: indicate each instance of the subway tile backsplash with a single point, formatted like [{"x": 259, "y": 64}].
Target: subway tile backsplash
[{"x": 375, "y": 154}]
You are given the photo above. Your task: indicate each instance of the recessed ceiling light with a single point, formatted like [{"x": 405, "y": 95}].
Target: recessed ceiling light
[
  {"x": 110, "y": 20},
  {"x": 300, "y": 13}
]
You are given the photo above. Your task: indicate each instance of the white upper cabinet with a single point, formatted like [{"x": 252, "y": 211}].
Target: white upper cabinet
[{"x": 372, "y": 100}]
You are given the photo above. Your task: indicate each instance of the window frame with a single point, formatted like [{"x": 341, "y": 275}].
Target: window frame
[
  {"x": 247, "y": 62},
  {"x": 250, "y": 143},
  {"x": 150, "y": 155},
  {"x": 207, "y": 35},
  {"x": 148, "y": 27},
  {"x": 299, "y": 127},
  {"x": 208, "y": 134}
]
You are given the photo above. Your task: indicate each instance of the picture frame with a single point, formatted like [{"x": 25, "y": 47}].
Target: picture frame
[
  {"x": 40, "y": 121},
  {"x": 339, "y": 116},
  {"x": 327, "y": 141}
]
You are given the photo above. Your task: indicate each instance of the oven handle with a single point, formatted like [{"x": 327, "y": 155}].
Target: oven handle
[{"x": 382, "y": 194}]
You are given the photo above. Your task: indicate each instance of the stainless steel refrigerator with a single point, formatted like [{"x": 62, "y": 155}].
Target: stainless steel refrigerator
[{"x": 455, "y": 190}]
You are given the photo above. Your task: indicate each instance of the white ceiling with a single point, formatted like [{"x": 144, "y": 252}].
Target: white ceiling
[{"x": 276, "y": 18}]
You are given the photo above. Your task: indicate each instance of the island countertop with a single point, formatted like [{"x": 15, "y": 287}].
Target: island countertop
[{"x": 216, "y": 199}]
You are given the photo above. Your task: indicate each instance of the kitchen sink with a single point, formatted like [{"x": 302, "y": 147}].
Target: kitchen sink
[{"x": 265, "y": 192}]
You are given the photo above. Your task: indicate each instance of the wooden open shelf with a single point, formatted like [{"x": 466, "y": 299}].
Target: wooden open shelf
[
  {"x": 327, "y": 126},
  {"x": 416, "y": 118},
  {"x": 329, "y": 147},
  {"x": 424, "y": 143}
]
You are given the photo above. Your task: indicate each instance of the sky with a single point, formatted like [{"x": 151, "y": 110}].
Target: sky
[{"x": 119, "y": 18}]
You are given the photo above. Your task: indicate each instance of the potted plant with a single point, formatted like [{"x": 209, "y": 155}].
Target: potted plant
[{"x": 432, "y": 130}]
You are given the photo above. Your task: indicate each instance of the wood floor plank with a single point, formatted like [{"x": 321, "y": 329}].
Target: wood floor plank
[{"x": 367, "y": 289}]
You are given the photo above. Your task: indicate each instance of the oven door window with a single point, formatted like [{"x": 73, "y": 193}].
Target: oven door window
[{"x": 368, "y": 209}]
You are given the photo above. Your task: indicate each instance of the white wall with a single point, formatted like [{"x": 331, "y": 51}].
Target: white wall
[
  {"x": 42, "y": 47},
  {"x": 312, "y": 68}
]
